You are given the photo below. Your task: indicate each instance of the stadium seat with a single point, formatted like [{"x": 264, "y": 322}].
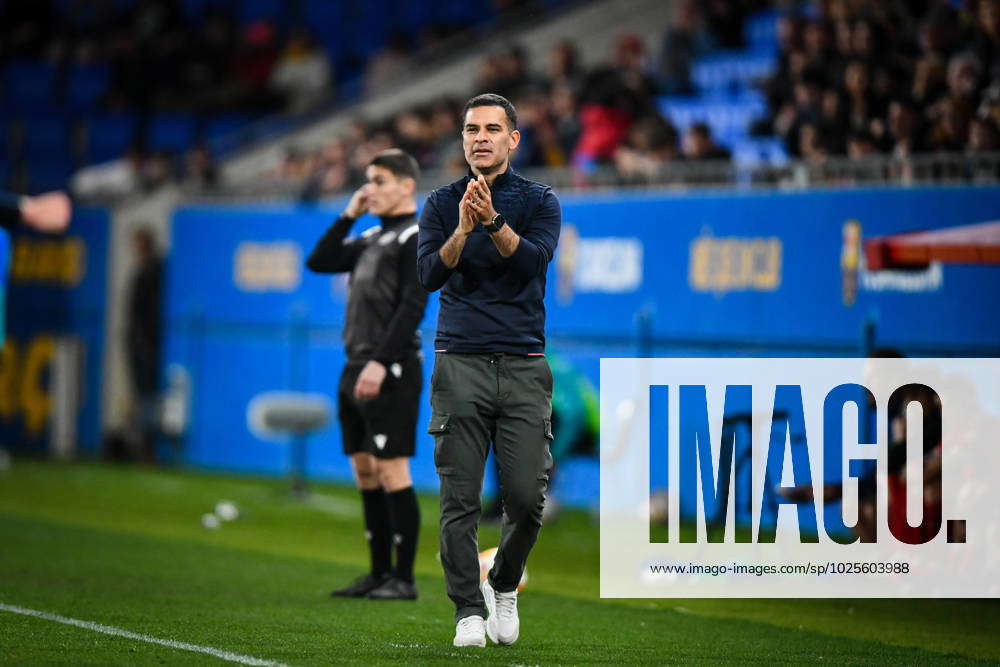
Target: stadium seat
[
  {"x": 761, "y": 31},
  {"x": 171, "y": 132},
  {"x": 29, "y": 85},
  {"x": 729, "y": 118},
  {"x": 732, "y": 70},
  {"x": 225, "y": 132},
  {"x": 49, "y": 174},
  {"x": 253, "y": 10},
  {"x": 108, "y": 136},
  {"x": 45, "y": 135},
  {"x": 85, "y": 87},
  {"x": 760, "y": 151}
]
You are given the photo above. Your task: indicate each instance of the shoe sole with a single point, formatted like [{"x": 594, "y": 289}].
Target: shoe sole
[{"x": 481, "y": 644}]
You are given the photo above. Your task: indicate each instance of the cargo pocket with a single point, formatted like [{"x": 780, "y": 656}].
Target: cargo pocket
[
  {"x": 547, "y": 462},
  {"x": 439, "y": 428},
  {"x": 548, "y": 429}
]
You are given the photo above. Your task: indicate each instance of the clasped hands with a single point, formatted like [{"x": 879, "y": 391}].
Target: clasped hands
[{"x": 476, "y": 206}]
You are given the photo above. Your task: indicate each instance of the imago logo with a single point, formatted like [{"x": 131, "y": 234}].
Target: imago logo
[
  {"x": 789, "y": 439},
  {"x": 799, "y": 477}
]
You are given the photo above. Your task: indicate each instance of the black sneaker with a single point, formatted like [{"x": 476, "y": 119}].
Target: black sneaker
[
  {"x": 361, "y": 587},
  {"x": 394, "y": 588}
]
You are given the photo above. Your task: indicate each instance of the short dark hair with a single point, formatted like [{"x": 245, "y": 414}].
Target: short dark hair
[
  {"x": 493, "y": 100},
  {"x": 399, "y": 162},
  {"x": 701, "y": 128}
]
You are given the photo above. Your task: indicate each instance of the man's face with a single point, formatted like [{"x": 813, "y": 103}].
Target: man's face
[
  {"x": 386, "y": 192},
  {"x": 487, "y": 139}
]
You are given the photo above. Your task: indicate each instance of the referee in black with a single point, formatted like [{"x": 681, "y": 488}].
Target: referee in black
[
  {"x": 485, "y": 241},
  {"x": 379, "y": 393}
]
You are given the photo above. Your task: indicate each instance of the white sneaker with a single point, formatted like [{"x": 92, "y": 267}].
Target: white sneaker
[
  {"x": 470, "y": 631},
  {"x": 503, "y": 625}
]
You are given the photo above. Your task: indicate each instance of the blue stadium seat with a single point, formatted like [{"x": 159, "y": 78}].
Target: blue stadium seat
[
  {"x": 252, "y": 10},
  {"x": 109, "y": 136},
  {"x": 85, "y": 87},
  {"x": 28, "y": 85},
  {"x": 729, "y": 118},
  {"x": 760, "y": 151},
  {"x": 732, "y": 70},
  {"x": 46, "y": 136},
  {"x": 761, "y": 31},
  {"x": 225, "y": 132},
  {"x": 51, "y": 174},
  {"x": 174, "y": 132}
]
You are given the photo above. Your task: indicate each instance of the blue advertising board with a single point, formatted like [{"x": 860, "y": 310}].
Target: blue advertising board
[
  {"x": 706, "y": 274},
  {"x": 56, "y": 295}
]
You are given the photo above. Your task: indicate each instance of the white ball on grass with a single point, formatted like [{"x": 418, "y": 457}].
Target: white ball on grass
[
  {"x": 227, "y": 510},
  {"x": 209, "y": 521}
]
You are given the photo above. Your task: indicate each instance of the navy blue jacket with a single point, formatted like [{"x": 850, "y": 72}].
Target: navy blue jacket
[{"x": 490, "y": 303}]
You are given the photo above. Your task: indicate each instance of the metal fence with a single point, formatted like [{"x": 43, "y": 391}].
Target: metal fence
[{"x": 924, "y": 169}]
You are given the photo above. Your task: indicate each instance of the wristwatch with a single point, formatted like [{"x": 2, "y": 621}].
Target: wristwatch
[{"x": 496, "y": 225}]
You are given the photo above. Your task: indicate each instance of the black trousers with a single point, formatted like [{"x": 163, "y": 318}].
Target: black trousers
[{"x": 479, "y": 399}]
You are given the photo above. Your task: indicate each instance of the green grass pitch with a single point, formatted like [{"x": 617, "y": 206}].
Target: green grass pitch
[{"x": 125, "y": 547}]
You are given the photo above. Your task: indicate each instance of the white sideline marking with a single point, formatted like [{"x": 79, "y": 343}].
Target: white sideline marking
[{"x": 118, "y": 632}]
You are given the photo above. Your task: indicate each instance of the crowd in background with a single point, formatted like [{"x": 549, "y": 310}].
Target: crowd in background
[
  {"x": 568, "y": 116},
  {"x": 899, "y": 78},
  {"x": 159, "y": 58},
  {"x": 853, "y": 77}
]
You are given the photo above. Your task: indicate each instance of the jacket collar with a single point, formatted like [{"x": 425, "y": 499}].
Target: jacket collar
[{"x": 500, "y": 181}]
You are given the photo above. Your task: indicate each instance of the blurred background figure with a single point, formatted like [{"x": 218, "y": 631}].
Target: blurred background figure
[{"x": 143, "y": 336}]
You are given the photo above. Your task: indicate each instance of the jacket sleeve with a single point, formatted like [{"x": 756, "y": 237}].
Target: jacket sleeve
[
  {"x": 10, "y": 210},
  {"x": 410, "y": 311},
  {"x": 332, "y": 253},
  {"x": 431, "y": 271},
  {"x": 539, "y": 238}
]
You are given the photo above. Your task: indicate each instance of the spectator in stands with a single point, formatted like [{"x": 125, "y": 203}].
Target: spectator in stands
[
  {"x": 812, "y": 147},
  {"x": 611, "y": 99},
  {"x": 949, "y": 122},
  {"x": 862, "y": 108},
  {"x": 904, "y": 129},
  {"x": 928, "y": 80},
  {"x": 388, "y": 63},
  {"x": 414, "y": 136},
  {"x": 302, "y": 74},
  {"x": 725, "y": 20},
  {"x": 986, "y": 39},
  {"x": 862, "y": 148},
  {"x": 564, "y": 66},
  {"x": 332, "y": 172},
  {"x": 252, "y": 67},
  {"x": 861, "y": 145},
  {"x": 652, "y": 143},
  {"x": 699, "y": 144},
  {"x": 565, "y": 122},
  {"x": 685, "y": 40},
  {"x": 204, "y": 69},
  {"x": 199, "y": 169},
  {"x": 833, "y": 121}
]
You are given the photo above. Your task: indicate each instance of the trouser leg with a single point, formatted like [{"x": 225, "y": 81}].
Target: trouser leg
[
  {"x": 462, "y": 427},
  {"x": 523, "y": 433}
]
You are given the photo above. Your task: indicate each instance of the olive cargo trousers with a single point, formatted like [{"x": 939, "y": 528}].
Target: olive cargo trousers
[{"x": 477, "y": 399}]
